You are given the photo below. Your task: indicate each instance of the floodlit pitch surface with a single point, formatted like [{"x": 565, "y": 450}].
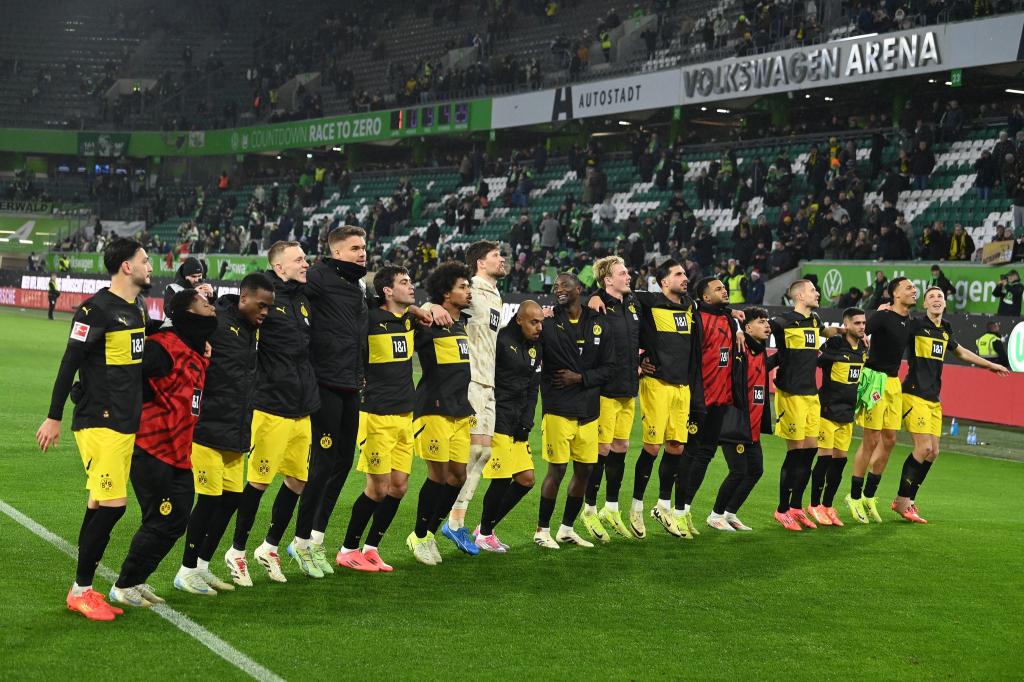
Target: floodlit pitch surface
[{"x": 882, "y": 601}]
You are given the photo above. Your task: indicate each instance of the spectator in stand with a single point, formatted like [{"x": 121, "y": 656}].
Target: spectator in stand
[
  {"x": 743, "y": 244},
  {"x": 1018, "y": 203},
  {"x": 922, "y": 163},
  {"x": 755, "y": 292},
  {"x": 1009, "y": 292},
  {"x": 987, "y": 174},
  {"x": 952, "y": 122},
  {"x": 816, "y": 168},
  {"x": 549, "y": 233},
  {"x": 991, "y": 345},
  {"x": 222, "y": 182},
  {"x": 940, "y": 280},
  {"x": 932, "y": 244},
  {"x": 735, "y": 279},
  {"x": 893, "y": 244},
  {"x": 851, "y": 299},
  {"x": 879, "y": 293},
  {"x": 597, "y": 185},
  {"x": 961, "y": 245},
  {"x": 780, "y": 260},
  {"x": 1015, "y": 120},
  {"x": 862, "y": 246}
]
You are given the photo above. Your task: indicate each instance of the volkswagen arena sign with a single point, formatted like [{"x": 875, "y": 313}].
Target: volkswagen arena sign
[{"x": 840, "y": 62}]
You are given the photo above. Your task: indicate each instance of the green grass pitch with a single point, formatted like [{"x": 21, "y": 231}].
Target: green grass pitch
[{"x": 889, "y": 601}]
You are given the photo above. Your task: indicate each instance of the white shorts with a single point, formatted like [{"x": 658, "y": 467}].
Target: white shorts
[{"x": 481, "y": 399}]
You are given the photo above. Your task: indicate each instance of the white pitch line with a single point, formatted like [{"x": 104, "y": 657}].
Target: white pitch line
[{"x": 179, "y": 620}]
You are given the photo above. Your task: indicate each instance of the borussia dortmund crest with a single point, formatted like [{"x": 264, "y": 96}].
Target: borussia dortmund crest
[
  {"x": 326, "y": 442},
  {"x": 597, "y": 330},
  {"x": 105, "y": 482},
  {"x": 740, "y": 448},
  {"x": 408, "y": 325},
  {"x": 165, "y": 507}
]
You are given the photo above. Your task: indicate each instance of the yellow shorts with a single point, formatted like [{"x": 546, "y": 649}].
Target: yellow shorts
[
  {"x": 832, "y": 436},
  {"x": 217, "y": 471},
  {"x": 508, "y": 457},
  {"x": 664, "y": 411},
  {"x": 385, "y": 443},
  {"x": 280, "y": 445},
  {"x": 565, "y": 438},
  {"x": 107, "y": 456},
  {"x": 442, "y": 439},
  {"x": 616, "y": 420},
  {"x": 888, "y": 412},
  {"x": 798, "y": 415},
  {"x": 922, "y": 416}
]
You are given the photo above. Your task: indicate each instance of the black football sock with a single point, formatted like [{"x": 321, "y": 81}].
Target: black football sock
[
  {"x": 425, "y": 506},
  {"x": 547, "y": 508},
  {"x": 922, "y": 471},
  {"x": 833, "y": 477},
  {"x": 805, "y": 457},
  {"x": 668, "y": 470},
  {"x": 94, "y": 542},
  {"x": 642, "y": 473},
  {"x": 908, "y": 477},
  {"x": 787, "y": 475},
  {"x": 382, "y": 518},
  {"x": 218, "y": 524},
  {"x": 449, "y": 494},
  {"x": 573, "y": 504},
  {"x": 89, "y": 513},
  {"x": 856, "y": 487},
  {"x": 247, "y": 508},
  {"x": 362, "y": 510},
  {"x": 198, "y": 523},
  {"x": 281, "y": 514},
  {"x": 513, "y": 495},
  {"x": 818, "y": 475},
  {"x": 492, "y": 503},
  {"x": 682, "y": 479},
  {"x": 871, "y": 485},
  {"x": 615, "y": 466},
  {"x": 594, "y": 481}
]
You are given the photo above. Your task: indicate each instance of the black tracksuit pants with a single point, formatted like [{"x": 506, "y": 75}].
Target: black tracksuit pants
[
  {"x": 335, "y": 426},
  {"x": 165, "y": 494}
]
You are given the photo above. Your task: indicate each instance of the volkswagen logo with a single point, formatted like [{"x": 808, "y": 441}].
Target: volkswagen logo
[
  {"x": 833, "y": 284},
  {"x": 1015, "y": 348}
]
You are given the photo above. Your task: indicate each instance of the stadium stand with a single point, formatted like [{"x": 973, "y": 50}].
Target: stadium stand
[{"x": 399, "y": 217}]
